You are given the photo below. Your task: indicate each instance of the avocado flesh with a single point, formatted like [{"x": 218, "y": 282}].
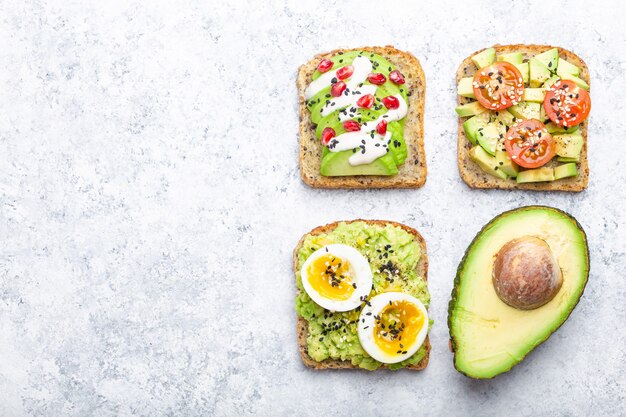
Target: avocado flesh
[
  {"x": 538, "y": 73},
  {"x": 486, "y": 162},
  {"x": 578, "y": 81},
  {"x": 470, "y": 109},
  {"x": 524, "y": 69},
  {"x": 514, "y": 58},
  {"x": 488, "y": 137},
  {"x": 535, "y": 175},
  {"x": 536, "y": 95},
  {"x": 465, "y": 87},
  {"x": 566, "y": 67},
  {"x": 568, "y": 145},
  {"x": 507, "y": 166},
  {"x": 398, "y": 149},
  {"x": 488, "y": 336},
  {"x": 336, "y": 164},
  {"x": 484, "y": 58},
  {"x": 565, "y": 171},
  {"x": 549, "y": 58},
  {"x": 526, "y": 110}
]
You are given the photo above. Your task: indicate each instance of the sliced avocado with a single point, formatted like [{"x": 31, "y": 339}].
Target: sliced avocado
[
  {"x": 578, "y": 81},
  {"x": 335, "y": 164},
  {"x": 465, "y": 88},
  {"x": 470, "y": 109},
  {"x": 543, "y": 116},
  {"x": 397, "y": 146},
  {"x": 526, "y": 110},
  {"x": 484, "y": 58},
  {"x": 538, "y": 73},
  {"x": 507, "y": 166},
  {"x": 550, "y": 81},
  {"x": 549, "y": 58},
  {"x": 567, "y": 160},
  {"x": 487, "y": 336},
  {"x": 488, "y": 137},
  {"x": 505, "y": 117},
  {"x": 472, "y": 125},
  {"x": 565, "y": 171},
  {"x": 534, "y": 94},
  {"x": 486, "y": 162},
  {"x": 524, "y": 69},
  {"x": 567, "y": 68},
  {"x": 568, "y": 145},
  {"x": 514, "y": 58},
  {"x": 535, "y": 175},
  {"x": 554, "y": 128}
]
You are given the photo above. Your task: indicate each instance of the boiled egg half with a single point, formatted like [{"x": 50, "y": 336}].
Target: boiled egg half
[
  {"x": 392, "y": 326},
  {"x": 337, "y": 277}
]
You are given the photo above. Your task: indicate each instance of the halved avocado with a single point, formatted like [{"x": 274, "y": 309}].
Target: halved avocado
[{"x": 488, "y": 336}]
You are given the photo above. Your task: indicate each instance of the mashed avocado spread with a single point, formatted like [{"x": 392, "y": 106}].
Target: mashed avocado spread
[{"x": 393, "y": 254}]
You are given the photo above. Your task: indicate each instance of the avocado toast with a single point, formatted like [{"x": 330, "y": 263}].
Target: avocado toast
[
  {"x": 517, "y": 283},
  {"x": 398, "y": 260},
  {"x": 365, "y": 128},
  {"x": 482, "y": 158}
]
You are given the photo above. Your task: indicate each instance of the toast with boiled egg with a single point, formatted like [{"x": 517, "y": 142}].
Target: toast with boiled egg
[
  {"x": 487, "y": 158},
  {"x": 361, "y": 289},
  {"x": 362, "y": 119}
]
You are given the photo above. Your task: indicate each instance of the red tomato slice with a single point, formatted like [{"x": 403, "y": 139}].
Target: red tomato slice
[
  {"x": 567, "y": 104},
  {"x": 529, "y": 144},
  {"x": 498, "y": 86}
]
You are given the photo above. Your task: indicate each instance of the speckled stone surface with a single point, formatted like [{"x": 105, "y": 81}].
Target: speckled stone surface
[{"x": 150, "y": 200}]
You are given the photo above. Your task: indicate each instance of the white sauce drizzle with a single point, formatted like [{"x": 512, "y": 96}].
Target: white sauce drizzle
[
  {"x": 369, "y": 147},
  {"x": 362, "y": 68}
]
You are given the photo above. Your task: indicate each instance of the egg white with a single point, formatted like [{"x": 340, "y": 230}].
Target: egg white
[
  {"x": 367, "y": 325},
  {"x": 362, "y": 277}
]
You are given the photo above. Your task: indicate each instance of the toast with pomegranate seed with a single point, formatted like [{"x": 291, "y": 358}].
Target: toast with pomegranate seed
[
  {"x": 404, "y": 164},
  {"x": 322, "y": 332},
  {"x": 478, "y": 169}
]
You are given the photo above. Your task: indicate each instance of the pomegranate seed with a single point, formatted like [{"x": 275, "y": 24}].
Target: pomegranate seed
[
  {"x": 381, "y": 128},
  {"x": 377, "y": 78},
  {"x": 351, "y": 126},
  {"x": 345, "y": 72},
  {"x": 396, "y": 77},
  {"x": 337, "y": 88},
  {"x": 325, "y": 65},
  {"x": 366, "y": 101},
  {"x": 391, "y": 102},
  {"x": 327, "y": 134}
]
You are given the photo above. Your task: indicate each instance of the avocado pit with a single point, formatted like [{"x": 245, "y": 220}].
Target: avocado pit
[{"x": 526, "y": 274}]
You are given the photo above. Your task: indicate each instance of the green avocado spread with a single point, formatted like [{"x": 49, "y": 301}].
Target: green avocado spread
[{"x": 393, "y": 254}]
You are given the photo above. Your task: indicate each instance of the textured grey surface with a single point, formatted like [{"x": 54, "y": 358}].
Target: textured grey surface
[{"x": 150, "y": 200}]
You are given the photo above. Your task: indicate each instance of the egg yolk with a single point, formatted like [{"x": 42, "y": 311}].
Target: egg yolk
[
  {"x": 331, "y": 277},
  {"x": 397, "y": 327}
]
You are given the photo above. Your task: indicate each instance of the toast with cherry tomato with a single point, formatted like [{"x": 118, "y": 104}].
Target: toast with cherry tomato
[
  {"x": 523, "y": 112},
  {"x": 362, "y": 119}
]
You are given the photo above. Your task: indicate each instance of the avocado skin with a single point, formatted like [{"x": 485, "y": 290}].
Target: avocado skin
[{"x": 457, "y": 280}]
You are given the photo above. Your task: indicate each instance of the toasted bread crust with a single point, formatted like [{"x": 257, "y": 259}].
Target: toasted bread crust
[
  {"x": 412, "y": 174},
  {"x": 475, "y": 177},
  {"x": 303, "y": 330}
]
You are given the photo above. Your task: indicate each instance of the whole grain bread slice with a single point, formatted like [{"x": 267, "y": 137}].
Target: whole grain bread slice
[
  {"x": 412, "y": 174},
  {"x": 475, "y": 177},
  {"x": 303, "y": 328}
]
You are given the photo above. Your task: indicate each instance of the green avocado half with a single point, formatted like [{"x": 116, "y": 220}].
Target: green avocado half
[{"x": 487, "y": 336}]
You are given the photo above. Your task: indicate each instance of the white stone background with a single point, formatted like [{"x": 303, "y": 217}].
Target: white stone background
[{"x": 150, "y": 201}]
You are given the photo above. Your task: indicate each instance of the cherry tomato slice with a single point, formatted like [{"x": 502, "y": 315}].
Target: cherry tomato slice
[
  {"x": 567, "y": 104},
  {"x": 529, "y": 144},
  {"x": 498, "y": 86}
]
